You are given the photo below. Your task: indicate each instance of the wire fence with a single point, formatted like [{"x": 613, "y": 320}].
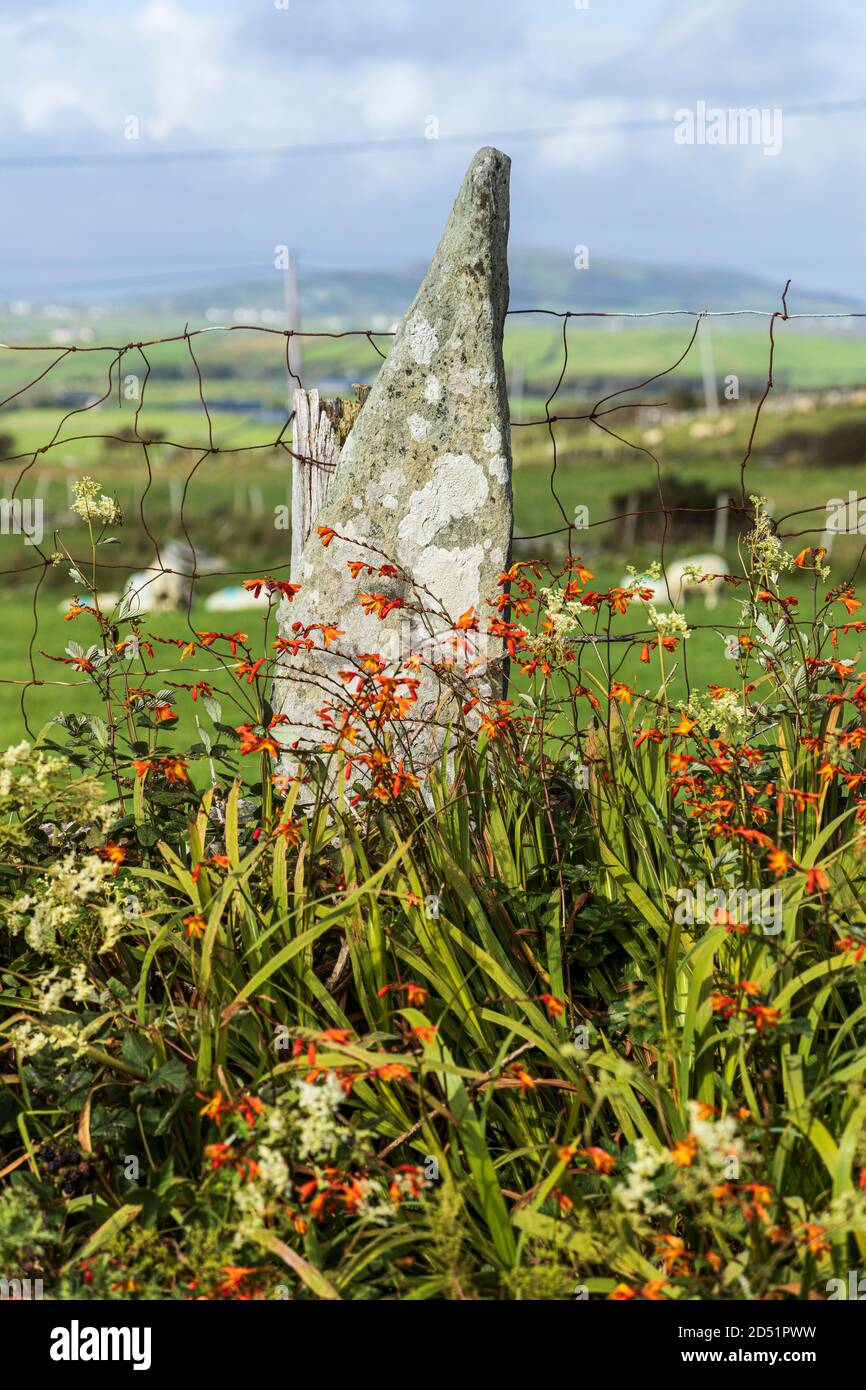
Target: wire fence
[{"x": 79, "y": 426}]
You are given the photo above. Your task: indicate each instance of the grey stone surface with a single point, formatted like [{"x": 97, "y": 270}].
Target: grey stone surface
[{"x": 424, "y": 477}]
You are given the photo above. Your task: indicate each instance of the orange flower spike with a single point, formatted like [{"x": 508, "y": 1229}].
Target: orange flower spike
[
  {"x": 685, "y": 1151},
  {"x": 621, "y": 692},
  {"x": 765, "y": 1017},
  {"x": 685, "y": 725},
  {"x": 655, "y": 734},
  {"x": 113, "y": 853},
  {"x": 250, "y": 669},
  {"x": 601, "y": 1160},
  {"x": 215, "y": 1107},
  {"x": 817, "y": 881},
  {"x": 555, "y": 1007},
  {"x": 854, "y": 945},
  {"x": 779, "y": 862},
  {"x": 175, "y": 769},
  {"x": 527, "y": 1082},
  {"x": 195, "y": 925}
]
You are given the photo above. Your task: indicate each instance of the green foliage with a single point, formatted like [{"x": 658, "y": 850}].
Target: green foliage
[{"x": 470, "y": 1039}]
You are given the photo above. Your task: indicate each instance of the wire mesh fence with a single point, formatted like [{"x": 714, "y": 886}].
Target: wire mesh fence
[{"x": 138, "y": 549}]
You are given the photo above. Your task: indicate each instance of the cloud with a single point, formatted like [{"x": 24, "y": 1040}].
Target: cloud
[{"x": 215, "y": 73}]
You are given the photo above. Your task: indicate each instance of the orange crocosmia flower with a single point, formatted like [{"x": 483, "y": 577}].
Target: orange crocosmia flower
[
  {"x": 402, "y": 779},
  {"x": 814, "y": 1237},
  {"x": 601, "y": 1160},
  {"x": 393, "y": 1071},
  {"x": 174, "y": 769},
  {"x": 723, "y": 918},
  {"x": 621, "y": 1294},
  {"x": 233, "y": 1277},
  {"x": 290, "y": 831},
  {"x": 113, "y": 853},
  {"x": 554, "y": 1006},
  {"x": 779, "y": 862},
  {"x": 679, "y": 761},
  {"x": 722, "y": 1003},
  {"x": 356, "y": 567},
  {"x": 764, "y": 1017},
  {"x": 215, "y": 1106},
  {"x": 685, "y": 725},
  {"x": 817, "y": 881},
  {"x": 379, "y": 605},
  {"x": 750, "y": 988},
  {"x": 704, "y": 1110},
  {"x": 218, "y": 1154},
  {"x": 645, "y": 652},
  {"x": 467, "y": 620},
  {"x": 673, "y": 1253},
  {"x": 75, "y": 610},
  {"x": 572, "y": 566},
  {"x": 326, "y": 534},
  {"x": 195, "y": 925},
  {"x": 618, "y": 599},
  {"x": 810, "y": 557},
  {"x": 527, "y": 1082},
  {"x": 684, "y": 1151},
  {"x": 249, "y": 1108},
  {"x": 620, "y": 691},
  {"x": 854, "y": 945},
  {"x": 413, "y": 900},
  {"x": 851, "y": 603},
  {"x": 328, "y": 631},
  {"x": 250, "y": 669},
  {"x": 426, "y": 1032},
  {"x": 655, "y": 734},
  {"x": 253, "y": 742}
]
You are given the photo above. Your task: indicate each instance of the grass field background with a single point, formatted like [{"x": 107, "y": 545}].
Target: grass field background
[{"x": 811, "y": 447}]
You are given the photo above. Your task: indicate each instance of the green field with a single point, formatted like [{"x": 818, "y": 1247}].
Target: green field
[{"x": 218, "y": 474}]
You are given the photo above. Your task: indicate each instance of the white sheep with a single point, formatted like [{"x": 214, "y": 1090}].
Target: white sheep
[{"x": 681, "y": 584}]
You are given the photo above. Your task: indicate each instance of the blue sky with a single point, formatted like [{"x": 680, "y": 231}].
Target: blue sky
[{"x": 205, "y": 75}]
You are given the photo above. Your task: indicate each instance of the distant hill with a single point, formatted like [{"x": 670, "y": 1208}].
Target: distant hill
[{"x": 542, "y": 279}]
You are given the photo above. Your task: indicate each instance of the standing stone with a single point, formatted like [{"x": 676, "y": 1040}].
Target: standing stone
[{"x": 423, "y": 484}]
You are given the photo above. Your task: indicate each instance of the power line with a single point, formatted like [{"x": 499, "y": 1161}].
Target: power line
[{"x": 324, "y": 149}]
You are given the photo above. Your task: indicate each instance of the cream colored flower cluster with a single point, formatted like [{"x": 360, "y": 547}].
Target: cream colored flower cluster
[
  {"x": 73, "y": 887},
  {"x": 90, "y": 503},
  {"x": 671, "y": 624}
]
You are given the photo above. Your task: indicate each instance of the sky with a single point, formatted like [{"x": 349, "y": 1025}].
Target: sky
[{"x": 581, "y": 93}]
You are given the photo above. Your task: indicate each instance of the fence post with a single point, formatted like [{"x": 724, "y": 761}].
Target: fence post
[
  {"x": 720, "y": 525},
  {"x": 320, "y": 428}
]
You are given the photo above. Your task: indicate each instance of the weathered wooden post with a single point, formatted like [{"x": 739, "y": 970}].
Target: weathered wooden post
[{"x": 319, "y": 431}]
